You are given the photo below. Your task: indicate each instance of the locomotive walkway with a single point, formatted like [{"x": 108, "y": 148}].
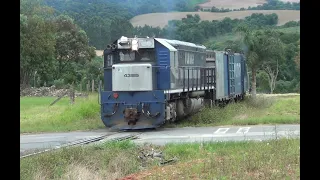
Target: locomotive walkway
[{"x": 164, "y": 135}]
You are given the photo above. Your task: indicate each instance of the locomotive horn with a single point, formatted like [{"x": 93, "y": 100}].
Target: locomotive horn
[
  {"x": 228, "y": 50},
  {"x": 113, "y": 46},
  {"x": 109, "y": 46}
]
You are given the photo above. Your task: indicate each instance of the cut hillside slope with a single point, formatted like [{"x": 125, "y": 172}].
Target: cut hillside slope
[{"x": 161, "y": 19}]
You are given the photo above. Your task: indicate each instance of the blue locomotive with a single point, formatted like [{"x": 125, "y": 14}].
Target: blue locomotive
[{"x": 148, "y": 81}]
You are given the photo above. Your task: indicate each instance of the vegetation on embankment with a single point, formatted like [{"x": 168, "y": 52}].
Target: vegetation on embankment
[
  {"x": 276, "y": 159},
  {"x": 262, "y": 110},
  {"x": 37, "y": 116}
]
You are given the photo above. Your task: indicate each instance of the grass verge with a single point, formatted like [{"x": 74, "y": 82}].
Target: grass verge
[
  {"x": 262, "y": 110},
  {"x": 275, "y": 159},
  {"x": 37, "y": 116}
]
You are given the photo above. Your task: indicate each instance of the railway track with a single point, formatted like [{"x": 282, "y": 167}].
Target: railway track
[{"x": 84, "y": 142}]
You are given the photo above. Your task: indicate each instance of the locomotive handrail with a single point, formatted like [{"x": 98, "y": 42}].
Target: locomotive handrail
[
  {"x": 99, "y": 101},
  {"x": 149, "y": 115},
  {"x": 115, "y": 109}
]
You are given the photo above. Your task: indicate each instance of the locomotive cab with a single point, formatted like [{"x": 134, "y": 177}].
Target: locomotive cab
[
  {"x": 131, "y": 64},
  {"x": 129, "y": 74}
]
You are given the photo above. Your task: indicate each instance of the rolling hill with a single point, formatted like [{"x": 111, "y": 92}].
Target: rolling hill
[{"x": 161, "y": 19}]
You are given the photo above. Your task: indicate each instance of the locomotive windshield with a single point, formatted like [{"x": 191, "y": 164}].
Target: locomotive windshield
[{"x": 136, "y": 56}]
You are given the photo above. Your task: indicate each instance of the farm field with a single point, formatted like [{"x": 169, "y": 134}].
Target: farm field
[
  {"x": 279, "y": 159},
  {"x": 234, "y": 4},
  {"x": 161, "y": 19}
]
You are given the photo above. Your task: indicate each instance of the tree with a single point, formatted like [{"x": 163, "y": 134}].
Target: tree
[
  {"x": 262, "y": 50},
  {"x": 36, "y": 41},
  {"x": 274, "y": 59},
  {"x": 297, "y": 58},
  {"x": 72, "y": 44}
]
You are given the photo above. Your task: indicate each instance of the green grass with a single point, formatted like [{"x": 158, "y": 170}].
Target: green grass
[
  {"x": 275, "y": 159},
  {"x": 262, "y": 110},
  {"x": 37, "y": 116}
]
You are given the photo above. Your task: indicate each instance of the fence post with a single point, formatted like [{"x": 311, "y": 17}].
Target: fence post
[
  {"x": 72, "y": 93},
  {"x": 80, "y": 86},
  {"x": 92, "y": 86},
  {"x": 88, "y": 86}
]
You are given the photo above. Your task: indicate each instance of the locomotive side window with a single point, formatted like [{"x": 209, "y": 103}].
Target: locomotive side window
[
  {"x": 133, "y": 56},
  {"x": 145, "y": 55},
  {"x": 189, "y": 58}
]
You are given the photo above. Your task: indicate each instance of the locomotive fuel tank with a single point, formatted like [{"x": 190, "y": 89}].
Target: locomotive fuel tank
[{"x": 185, "y": 107}]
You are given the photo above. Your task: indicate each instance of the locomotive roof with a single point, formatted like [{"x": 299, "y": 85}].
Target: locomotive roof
[{"x": 172, "y": 43}]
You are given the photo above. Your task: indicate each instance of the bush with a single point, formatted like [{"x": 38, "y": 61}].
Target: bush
[{"x": 59, "y": 83}]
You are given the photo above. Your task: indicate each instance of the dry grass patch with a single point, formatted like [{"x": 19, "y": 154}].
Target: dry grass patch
[
  {"x": 275, "y": 159},
  {"x": 106, "y": 161}
]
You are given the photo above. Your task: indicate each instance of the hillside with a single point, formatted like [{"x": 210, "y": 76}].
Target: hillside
[{"x": 161, "y": 19}]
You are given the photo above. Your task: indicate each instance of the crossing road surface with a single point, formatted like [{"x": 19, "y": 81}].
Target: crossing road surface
[{"x": 29, "y": 143}]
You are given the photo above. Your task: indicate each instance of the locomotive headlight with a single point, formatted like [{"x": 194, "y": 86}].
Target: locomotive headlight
[{"x": 134, "y": 45}]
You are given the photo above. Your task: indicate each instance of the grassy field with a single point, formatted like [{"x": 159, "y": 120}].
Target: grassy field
[
  {"x": 161, "y": 19},
  {"x": 37, "y": 116},
  {"x": 263, "y": 110},
  {"x": 276, "y": 159}
]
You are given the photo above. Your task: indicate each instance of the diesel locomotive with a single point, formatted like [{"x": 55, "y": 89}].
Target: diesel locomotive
[{"x": 148, "y": 81}]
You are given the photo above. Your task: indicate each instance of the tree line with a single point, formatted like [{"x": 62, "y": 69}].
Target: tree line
[
  {"x": 269, "y": 5},
  {"x": 192, "y": 29},
  {"x": 57, "y": 44},
  {"x": 52, "y": 47}
]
